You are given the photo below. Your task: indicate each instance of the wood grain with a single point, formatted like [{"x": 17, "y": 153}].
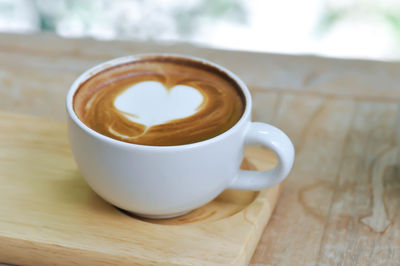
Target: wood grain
[
  {"x": 50, "y": 216},
  {"x": 341, "y": 202},
  {"x": 334, "y": 207},
  {"x": 38, "y": 69}
]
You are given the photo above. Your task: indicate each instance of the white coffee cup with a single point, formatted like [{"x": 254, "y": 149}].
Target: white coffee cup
[{"x": 168, "y": 181}]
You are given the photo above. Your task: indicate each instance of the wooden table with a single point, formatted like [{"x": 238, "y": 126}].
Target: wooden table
[{"x": 341, "y": 202}]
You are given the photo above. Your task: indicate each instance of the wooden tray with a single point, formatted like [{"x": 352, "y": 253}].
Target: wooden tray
[{"x": 49, "y": 215}]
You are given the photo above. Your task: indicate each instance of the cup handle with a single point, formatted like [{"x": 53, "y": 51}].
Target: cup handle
[{"x": 277, "y": 141}]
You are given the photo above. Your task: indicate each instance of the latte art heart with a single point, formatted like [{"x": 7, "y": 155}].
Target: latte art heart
[
  {"x": 160, "y": 101},
  {"x": 149, "y": 103}
]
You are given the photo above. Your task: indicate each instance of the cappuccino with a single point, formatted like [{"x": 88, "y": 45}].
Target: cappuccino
[{"x": 160, "y": 101}]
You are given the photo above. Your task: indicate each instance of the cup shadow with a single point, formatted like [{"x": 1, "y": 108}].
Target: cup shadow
[{"x": 227, "y": 204}]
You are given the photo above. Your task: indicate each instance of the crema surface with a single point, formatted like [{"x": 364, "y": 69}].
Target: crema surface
[{"x": 160, "y": 101}]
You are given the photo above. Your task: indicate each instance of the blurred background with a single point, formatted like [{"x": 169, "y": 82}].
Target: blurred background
[{"x": 336, "y": 28}]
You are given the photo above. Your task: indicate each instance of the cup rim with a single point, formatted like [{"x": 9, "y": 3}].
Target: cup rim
[{"x": 130, "y": 58}]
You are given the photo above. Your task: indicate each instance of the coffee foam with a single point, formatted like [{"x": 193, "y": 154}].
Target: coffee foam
[
  {"x": 149, "y": 103},
  {"x": 160, "y": 101}
]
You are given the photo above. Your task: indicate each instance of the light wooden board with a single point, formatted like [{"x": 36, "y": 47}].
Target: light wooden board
[
  {"x": 340, "y": 205},
  {"x": 50, "y": 216}
]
